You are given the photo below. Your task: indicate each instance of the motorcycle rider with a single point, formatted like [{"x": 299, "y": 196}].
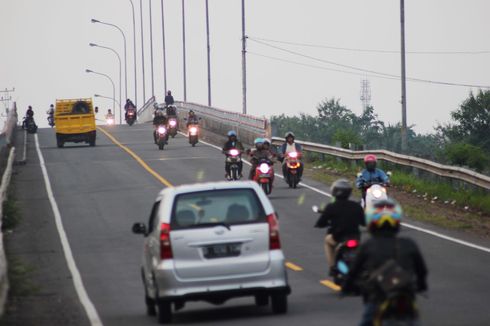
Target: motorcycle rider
[
  {"x": 383, "y": 222},
  {"x": 169, "y": 99},
  {"x": 262, "y": 151},
  {"x": 370, "y": 174},
  {"x": 50, "y": 113},
  {"x": 342, "y": 219},
  {"x": 286, "y": 148},
  {"x": 192, "y": 119},
  {"x": 232, "y": 143},
  {"x": 129, "y": 105},
  {"x": 109, "y": 114},
  {"x": 29, "y": 116},
  {"x": 159, "y": 120}
]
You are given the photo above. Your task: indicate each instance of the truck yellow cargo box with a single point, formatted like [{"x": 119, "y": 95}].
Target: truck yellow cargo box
[{"x": 75, "y": 121}]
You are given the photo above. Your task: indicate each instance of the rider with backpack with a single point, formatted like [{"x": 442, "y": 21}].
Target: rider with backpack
[{"x": 389, "y": 270}]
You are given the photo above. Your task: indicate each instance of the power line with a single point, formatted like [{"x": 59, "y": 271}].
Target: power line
[
  {"x": 376, "y": 73},
  {"x": 476, "y": 52}
]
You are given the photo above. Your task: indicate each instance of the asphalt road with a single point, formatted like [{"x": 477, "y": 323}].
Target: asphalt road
[{"x": 102, "y": 191}]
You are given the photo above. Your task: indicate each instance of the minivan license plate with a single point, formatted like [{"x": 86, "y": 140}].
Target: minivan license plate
[{"x": 220, "y": 251}]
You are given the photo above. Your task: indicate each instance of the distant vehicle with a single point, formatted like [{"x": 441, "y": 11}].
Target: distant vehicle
[
  {"x": 212, "y": 242},
  {"x": 75, "y": 121},
  {"x": 264, "y": 175},
  {"x": 292, "y": 165},
  {"x": 161, "y": 136},
  {"x": 131, "y": 116},
  {"x": 234, "y": 157}
]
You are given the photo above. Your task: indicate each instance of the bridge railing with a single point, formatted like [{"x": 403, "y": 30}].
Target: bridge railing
[{"x": 453, "y": 172}]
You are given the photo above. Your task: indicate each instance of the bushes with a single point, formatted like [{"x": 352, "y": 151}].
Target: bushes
[{"x": 464, "y": 154}]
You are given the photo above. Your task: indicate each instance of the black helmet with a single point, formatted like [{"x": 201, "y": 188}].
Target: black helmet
[{"x": 341, "y": 189}]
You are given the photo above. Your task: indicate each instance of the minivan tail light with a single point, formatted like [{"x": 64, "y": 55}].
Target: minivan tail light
[
  {"x": 165, "y": 245},
  {"x": 274, "y": 241}
]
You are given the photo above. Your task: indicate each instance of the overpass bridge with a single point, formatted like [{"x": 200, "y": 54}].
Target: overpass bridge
[{"x": 92, "y": 196}]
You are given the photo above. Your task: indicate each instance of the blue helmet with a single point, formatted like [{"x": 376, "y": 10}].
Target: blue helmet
[
  {"x": 231, "y": 133},
  {"x": 258, "y": 141},
  {"x": 385, "y": 214}
]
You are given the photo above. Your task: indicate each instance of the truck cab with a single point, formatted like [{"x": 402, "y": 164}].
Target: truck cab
[{"x": 75, "y": 121}]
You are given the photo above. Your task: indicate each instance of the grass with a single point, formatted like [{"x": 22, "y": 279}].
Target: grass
[
  {"x": 429, "y": 187},
  {"x": 11, "y": 214}
]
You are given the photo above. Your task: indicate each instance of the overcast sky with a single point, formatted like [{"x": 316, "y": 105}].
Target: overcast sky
[{"x": 45, "y": 52}]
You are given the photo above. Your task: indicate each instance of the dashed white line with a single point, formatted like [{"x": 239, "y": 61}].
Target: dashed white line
[{"x": 87, "y": 304}]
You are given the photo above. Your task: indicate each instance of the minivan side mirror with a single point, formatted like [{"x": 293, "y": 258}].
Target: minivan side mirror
[{"x": 139, "y": 228}]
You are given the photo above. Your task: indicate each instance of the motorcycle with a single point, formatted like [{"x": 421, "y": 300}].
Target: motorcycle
[
  {"x": 293, "y": 163},
  {"x": 50, "y": 120},
  {"x": 131, "y": 116},
  {"x": 345, "y": 254},
  {"x": 29, "y": 125},
  {"x": 374, "y": 192},
  {"x": 234, "y": 158},
  {"x": 264, "y": 175},
  {"x": 172, "y": 126},
  {"x": 161, "y": 136},
  {"x": 109, "y": 120},
  {"x": 193, "y": 131}
]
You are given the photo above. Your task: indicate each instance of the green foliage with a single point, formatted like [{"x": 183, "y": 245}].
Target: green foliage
[
  {"x": 347, "y": 138},
  {"x": 464, "y": 154}
]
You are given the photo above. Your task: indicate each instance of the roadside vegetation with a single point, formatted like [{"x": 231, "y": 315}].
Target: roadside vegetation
[{"x": 465, "y": 141}]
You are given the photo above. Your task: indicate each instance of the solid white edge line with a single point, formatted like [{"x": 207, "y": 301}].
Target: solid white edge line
[
  {"x": 87, "y": 304},
  {"x": 410, "y": 226}
]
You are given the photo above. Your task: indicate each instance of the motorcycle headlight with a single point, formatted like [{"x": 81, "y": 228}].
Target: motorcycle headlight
[
  {"x": 110, "y": 121},
  {"x": 377, "y": 193},
  {"x": 162, "y": 130},
  {"x": 293, "y": 154},
  {"x": 173, "y": 123},
  {"x": 234, "y": 152},
  {"x": 193, "y": 130},
  {"x": 264, "y": 168}
]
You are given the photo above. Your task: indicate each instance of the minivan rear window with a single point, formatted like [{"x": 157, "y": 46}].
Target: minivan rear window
[{"x": 217, "y": 207}]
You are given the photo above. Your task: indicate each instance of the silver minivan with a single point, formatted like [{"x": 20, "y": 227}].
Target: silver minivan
[{"x": 212, "y": 242}]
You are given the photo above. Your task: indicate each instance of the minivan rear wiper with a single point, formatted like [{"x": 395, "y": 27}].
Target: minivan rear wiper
[{"x": 210, "y": 224}]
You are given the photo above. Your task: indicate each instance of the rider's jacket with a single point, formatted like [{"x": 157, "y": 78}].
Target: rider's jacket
[
  {"x": 159, "y": 120},
  {"x": 376, "y": 176},
  {"x": 285, "y": 149},
  {"x": 192, "y": 120},
  {"x": 381, "y": 247},
  {"x": 343, "y": 217},
  {"x": 169, "y": 100},
  {"x": 232, "y": 144}
]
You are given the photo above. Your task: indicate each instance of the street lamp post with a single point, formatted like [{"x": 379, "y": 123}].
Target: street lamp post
[
  {"x": 244, "y": 61},
  {"x": 164, "y": 54},
  {"x": 404, "y": 142},
  {"x": 120, "y": 78},
  {"x": 125, "y": 54},
  {"x": 151, "y": 53},
  {"x": 142, "y": 51},
  {"x": 183, "y": 50},
  {"x": 109, "y": 98},
  {"x": 134, "y": 57},
  {"x": 112, "y": 82},
  {"x": 209, "y": 54}
]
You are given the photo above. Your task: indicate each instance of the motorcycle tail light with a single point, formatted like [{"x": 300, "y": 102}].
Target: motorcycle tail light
[
  {"x": 352, "y": 243},
  {"x": 234, "y": 152},
  {"x": 173, "y": 123},
  {"x": 162, "y": 130},
  {"x": 264, "y": 168}
]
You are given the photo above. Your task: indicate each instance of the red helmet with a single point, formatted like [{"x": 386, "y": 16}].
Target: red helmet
[{"x": 370, "y": 158}]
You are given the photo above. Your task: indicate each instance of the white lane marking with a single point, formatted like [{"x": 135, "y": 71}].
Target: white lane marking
[
  {"x": 89, "y": 307},
  {"x": 410, "y": 226}
]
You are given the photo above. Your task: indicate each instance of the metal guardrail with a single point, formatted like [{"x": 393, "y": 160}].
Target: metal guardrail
[
  {"x": 453, "y": 172},
  {"x": 145, "y": 113},
  {"x": 239, "y": 119}
]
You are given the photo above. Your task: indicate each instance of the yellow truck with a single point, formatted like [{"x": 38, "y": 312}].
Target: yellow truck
[{"x": 75, "y": 121}]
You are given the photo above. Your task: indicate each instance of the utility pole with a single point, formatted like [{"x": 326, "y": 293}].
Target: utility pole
[
  {"x": 244, "y": 61},
  {"x": 183, "y": 50},
  {"x": 365, "y": 94},
  {"x": 209, "y": 54},
  {"x": 142, "y": 52},
  {"x": 164, "y": 54},
  {"x": 6, "y": 98},
  {"x": 404, "y": 81}
]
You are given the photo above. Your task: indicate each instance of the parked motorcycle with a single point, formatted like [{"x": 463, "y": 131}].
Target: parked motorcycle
[
  {"x": 234, "y": 158},
  {"x": 264, "y": 175},
  {"x": 172, "y": 126},
  {"x": 293, "y": 164},
  {"x": 161, "y": 136},
  {"x": 131, "y": 116},
  {"x": 345, "y": 254}
]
